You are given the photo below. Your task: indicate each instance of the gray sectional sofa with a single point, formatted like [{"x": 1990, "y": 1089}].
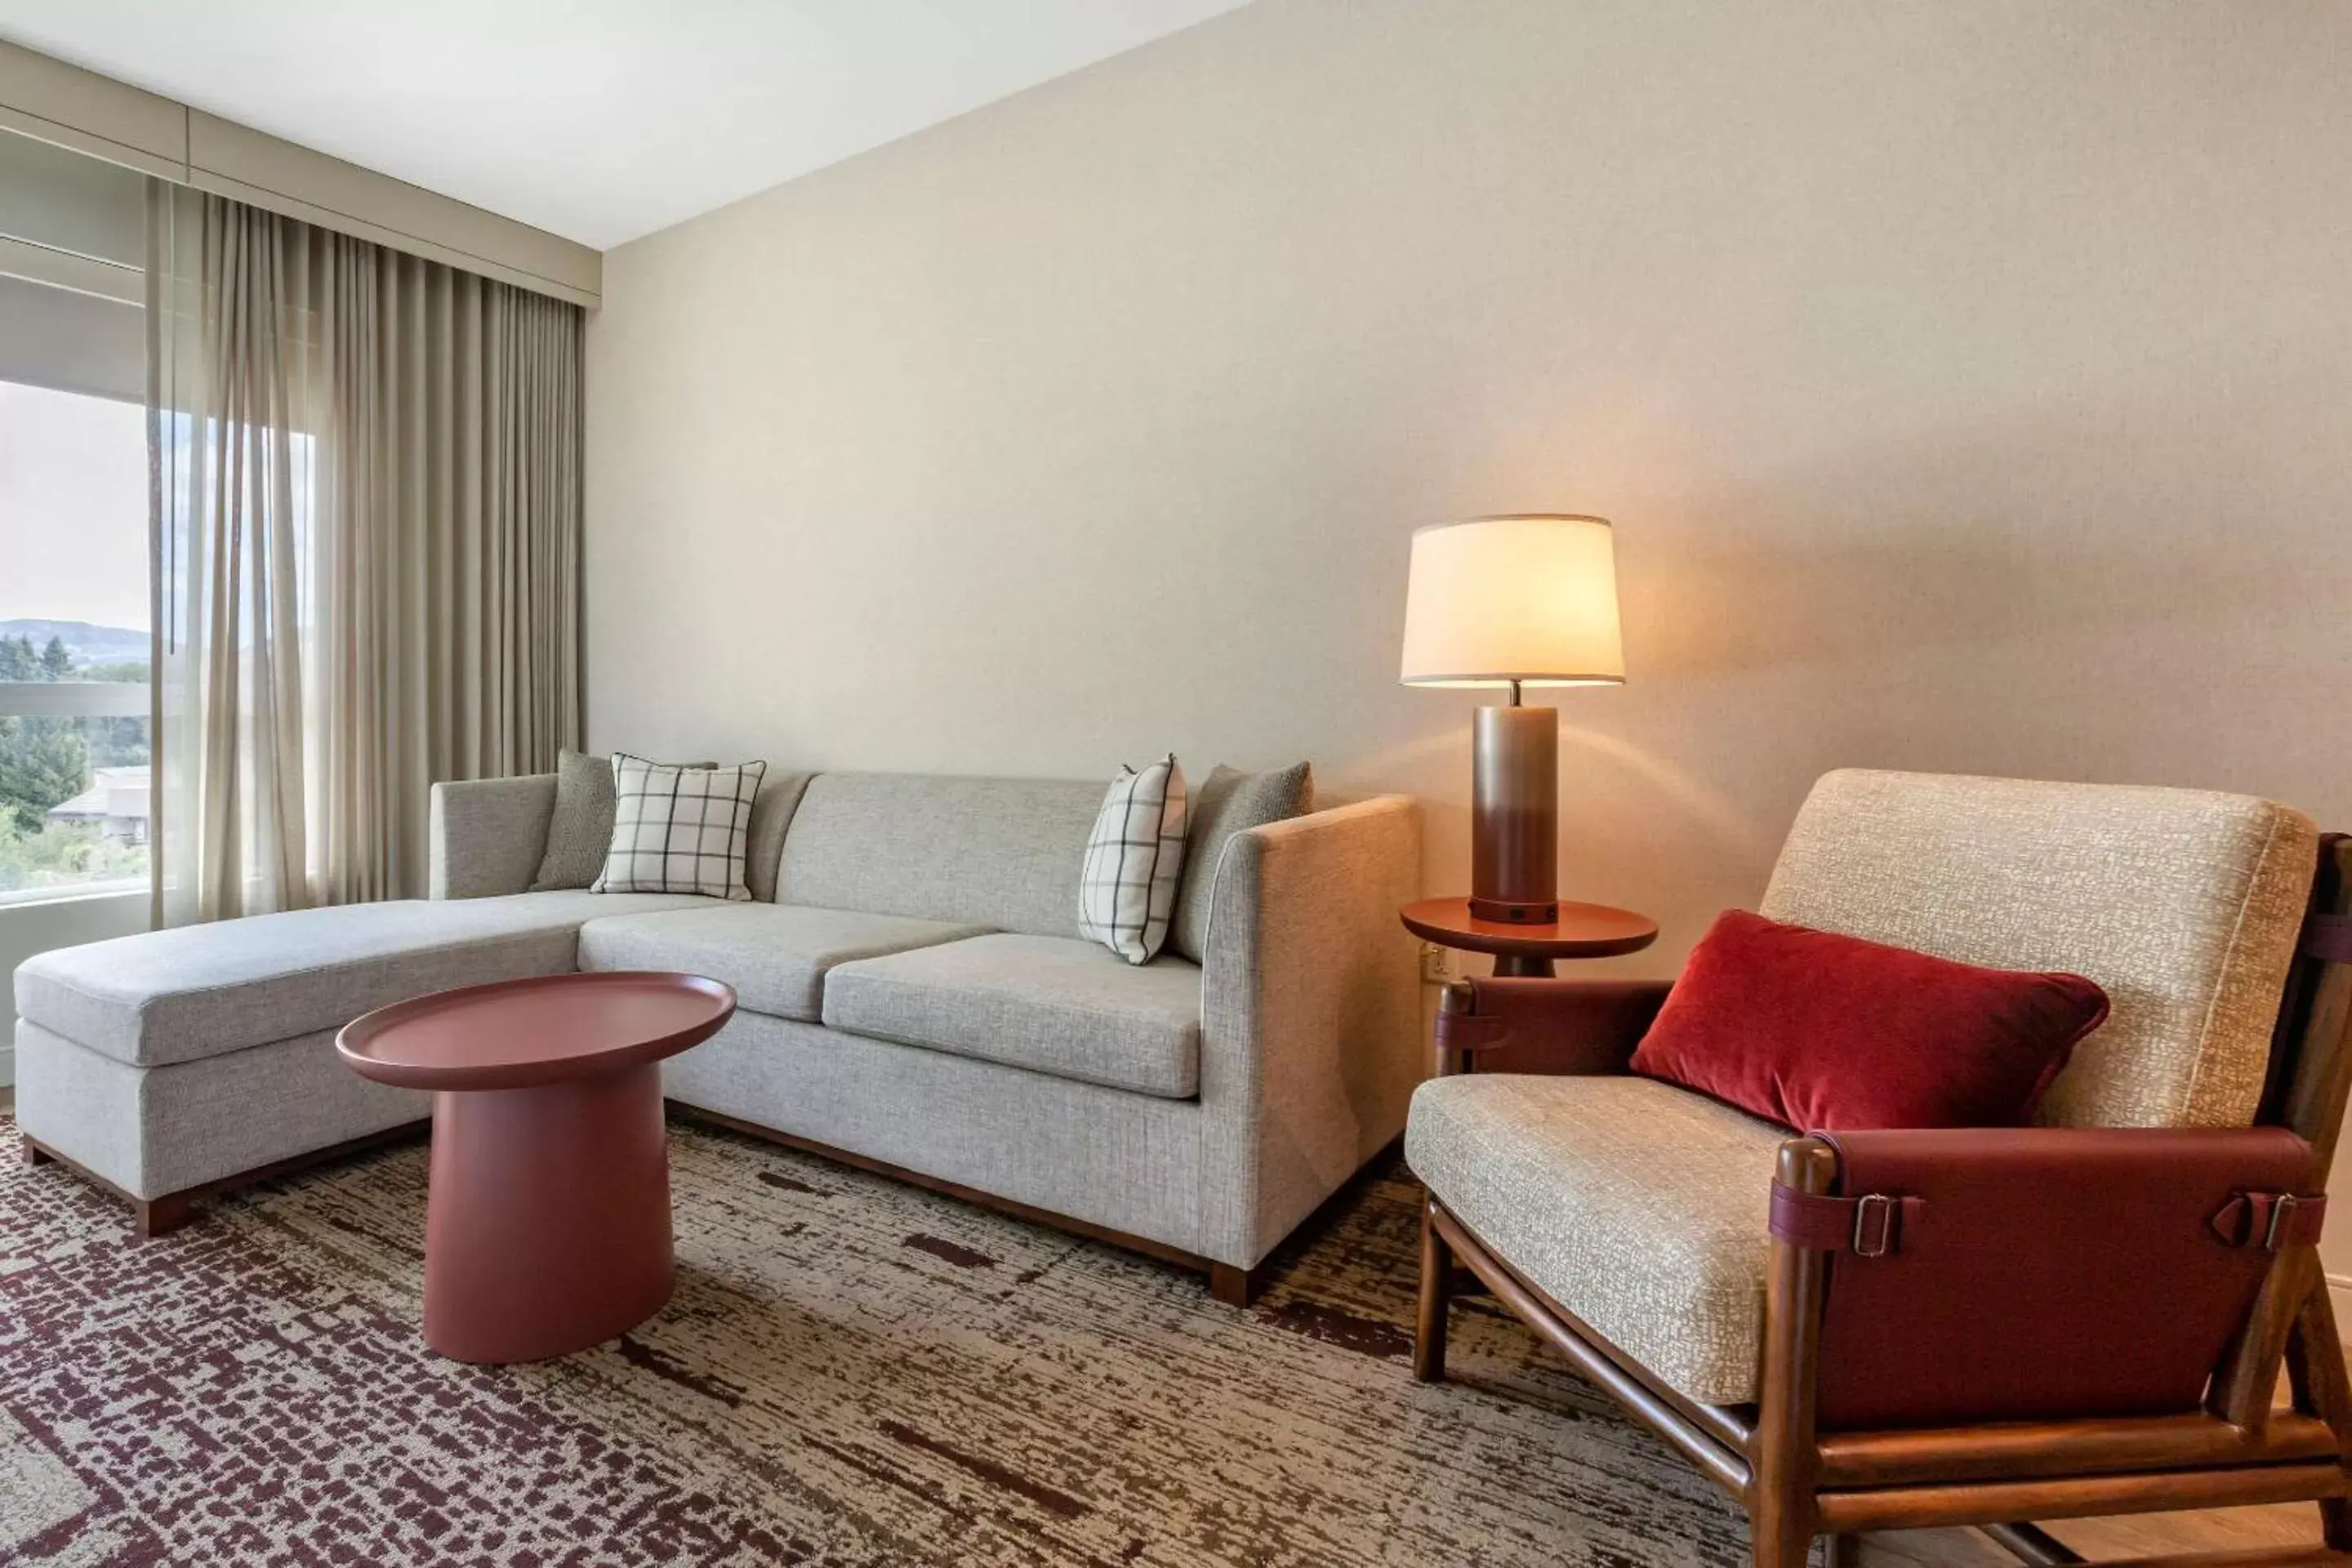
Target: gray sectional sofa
[{"x": 914, "y": 997}]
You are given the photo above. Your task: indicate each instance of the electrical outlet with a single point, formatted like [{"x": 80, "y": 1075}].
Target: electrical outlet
[{"x": 1436, "y": 965}]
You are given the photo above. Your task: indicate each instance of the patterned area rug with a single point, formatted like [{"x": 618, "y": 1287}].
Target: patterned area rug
[{"x": 851, "y": 1372}]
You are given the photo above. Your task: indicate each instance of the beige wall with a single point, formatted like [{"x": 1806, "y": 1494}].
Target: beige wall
[{"x": 1969, "y": 383}]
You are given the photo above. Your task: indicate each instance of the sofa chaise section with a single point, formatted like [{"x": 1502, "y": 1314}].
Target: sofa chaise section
[
  {"x": 168, "y": 1062},
  {"x": 193, "y": 992}
]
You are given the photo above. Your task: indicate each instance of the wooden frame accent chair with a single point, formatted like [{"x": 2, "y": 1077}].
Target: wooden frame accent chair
[{"x": 1892, "y": 1329}]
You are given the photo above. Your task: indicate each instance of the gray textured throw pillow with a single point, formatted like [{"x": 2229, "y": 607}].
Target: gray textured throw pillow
[
  {"x": 1227, "y": 803},
  {"x": 580, "y": 830}
]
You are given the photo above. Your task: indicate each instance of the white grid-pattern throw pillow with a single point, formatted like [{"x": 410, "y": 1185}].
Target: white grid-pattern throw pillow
[
  {"x": 1127, "y": 886},
  {"x": 679, "y": 830}
]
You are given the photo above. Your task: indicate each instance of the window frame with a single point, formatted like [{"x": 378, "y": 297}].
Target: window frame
[{"x": 76, "y": 698}]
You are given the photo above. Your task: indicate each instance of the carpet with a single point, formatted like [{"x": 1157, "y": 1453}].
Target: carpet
[{"x": 852, "y": 1372}]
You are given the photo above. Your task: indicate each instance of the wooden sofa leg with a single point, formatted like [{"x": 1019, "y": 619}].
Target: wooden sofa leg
[
  {"x": 1235, "y": 1286},
  {"x": 2335, "y": 1523},
  {"x": 34, "y": 1153},
  {"x": 1436, "y": 1295},
  {"x": 1841, "y": 1552},
  {"x": 161, "y": 1216}
]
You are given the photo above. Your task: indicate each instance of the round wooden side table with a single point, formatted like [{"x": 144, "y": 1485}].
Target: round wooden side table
[
  {"x": 547, "y": 1225},
  {"x": 1582, "y": 931}
]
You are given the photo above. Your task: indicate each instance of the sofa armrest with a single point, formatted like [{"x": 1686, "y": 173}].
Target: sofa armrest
[
  {"x": 1311, "y": 1017},
  {"x": 2041, "y": 1273},
  {"x": 1561, "y": 1027},
  {"x": 489, "y": 834}
]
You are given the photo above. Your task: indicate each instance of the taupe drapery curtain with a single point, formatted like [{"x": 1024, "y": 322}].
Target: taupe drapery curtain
[{"x": 366, "y": 534}]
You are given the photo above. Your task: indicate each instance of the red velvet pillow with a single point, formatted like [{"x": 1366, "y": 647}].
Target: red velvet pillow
[{"x": 1821, "y": 1032}]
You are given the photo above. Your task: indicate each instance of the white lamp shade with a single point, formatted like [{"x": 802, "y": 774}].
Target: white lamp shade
[{"x": 1502, "y": 599}]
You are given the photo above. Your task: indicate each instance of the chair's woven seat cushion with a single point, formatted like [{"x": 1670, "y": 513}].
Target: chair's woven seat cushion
[
  {"x": 1641, "y": 1209},
  {"x": 2183, "y": 905}
]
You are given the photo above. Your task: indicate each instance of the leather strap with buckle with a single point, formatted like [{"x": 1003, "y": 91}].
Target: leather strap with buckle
[
  {"x": 1870, "y": 1226},
  {"x": 1469, "y": 1031},
  {"x": 2272, "y": 1220}
]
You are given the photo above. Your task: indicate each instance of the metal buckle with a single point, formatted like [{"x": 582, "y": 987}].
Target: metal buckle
[
  {"x": 1878, "y": 1241},
  {"x": 2283, "y": 1208}
]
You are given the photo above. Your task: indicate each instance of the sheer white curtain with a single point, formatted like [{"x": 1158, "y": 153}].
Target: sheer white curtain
[
  {"x": 367, "y": 523},
  {"x": 233, "y": 402}
]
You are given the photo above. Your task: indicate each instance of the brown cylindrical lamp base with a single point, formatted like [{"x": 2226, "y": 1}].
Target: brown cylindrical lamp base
[{"x": 1514, "y": 815}]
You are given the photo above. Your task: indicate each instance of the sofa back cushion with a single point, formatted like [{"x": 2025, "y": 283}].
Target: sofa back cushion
[
  {"x": 2183, "y": 905},
  {"x": 1002, "y": 853},
  {"x": 772, "y": 818}
]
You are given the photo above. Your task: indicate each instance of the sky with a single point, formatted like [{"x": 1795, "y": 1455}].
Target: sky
[{"x": 73, "y": 507}]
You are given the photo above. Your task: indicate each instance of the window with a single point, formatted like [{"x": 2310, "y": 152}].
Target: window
[
  {"x": 75, "y": 815},
  {"x": 74, "y": 686}
]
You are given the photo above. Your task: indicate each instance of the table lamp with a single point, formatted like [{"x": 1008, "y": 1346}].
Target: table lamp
[{"x": 1514, "y": 601}]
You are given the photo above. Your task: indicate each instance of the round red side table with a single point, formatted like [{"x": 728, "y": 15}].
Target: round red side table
[
  {"x": 547, "y": 1222},
  {"x": 1582, "y": 931}
]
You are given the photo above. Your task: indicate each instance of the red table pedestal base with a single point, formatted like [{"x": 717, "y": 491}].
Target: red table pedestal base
[{"x": 547, "y": 1225}]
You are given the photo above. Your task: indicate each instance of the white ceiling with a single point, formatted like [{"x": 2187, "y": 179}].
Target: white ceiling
[{"x": 599, "y": 120}]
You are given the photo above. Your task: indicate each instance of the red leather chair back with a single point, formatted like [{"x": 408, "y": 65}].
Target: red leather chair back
[{"x": 2043, "y": 1273}]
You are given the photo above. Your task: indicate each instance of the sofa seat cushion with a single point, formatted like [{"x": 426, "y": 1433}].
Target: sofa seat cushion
[
  {"x": 200, "y": 991},
  {"x": 774, "y": 955},
  {"x": 1641, "y": 1209},
  {"x": 1053, "y": 1005},
  {"x": 575, "y": 907}
]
